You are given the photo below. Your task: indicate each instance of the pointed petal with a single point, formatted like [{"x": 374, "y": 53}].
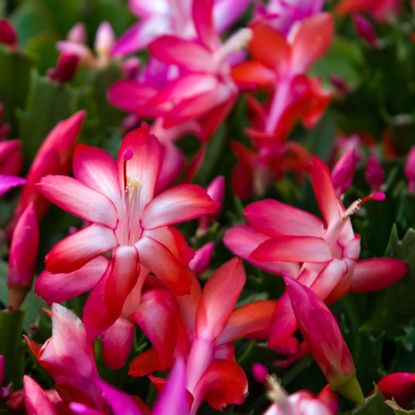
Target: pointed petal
[
  {"x": 219, "y": 297},
  {"x": 250, "y": 74},
  {"x": 377, "y": 273},
  {"x": 121, "y": 279},
  {"x": 156, "y": 316},
  {"x": 269, "y": 47},
  {"x": 174, "y": 398},
  {"x": 95, "y": 168},
  {"x": 293, "y": 248},
  {"x": 275, "y": 219},
  {"x": 95, "y": 315},
  {"x": 242, "y": 240},
  {"x": 76, "y": 250},
  {"x": 252, "y": 320},
  {"x": 8, "y": 182},
  {"x": 79, "y": 200},
  {"x": 144, "y": 165},
  {"x": 222, "y": 384},
  {"x": 178, "y": 204},
  {"x": 57, "y": 288},
  {"x": 35, "y": 398},
  {"x": 158, "y": 258},
  {"x": 144, "y": 364},
  {"x": 312, "y": 40},
  {"x": 202, "y": 13},
  {"x": 119, "y": 402},
  {"x": 330, "y": 206},
  {"x": 184, "y": 53}
]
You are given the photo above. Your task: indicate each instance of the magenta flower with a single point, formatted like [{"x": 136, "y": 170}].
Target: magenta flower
[
  {"x": 323, "y": 255},
  {"x": 399, "y": 386},
  {"x": 127, "y": 218},
  {"x": 164, "y": 17},
  {"x": 410, "y": 170}
]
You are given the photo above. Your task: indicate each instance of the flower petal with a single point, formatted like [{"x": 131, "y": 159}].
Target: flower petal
[
  {"x": 57, "y": 288},
  {"x": 219, "y": 297},
  {"x": 76, "y": 250},
  {"x": 293, "y": 248},
  {"x": 159, "y": 260},
  {"x": 178, "y": 204},
  {"x": 275, "y": 219},
  {"x": 79, "y": 200},
  {"x": 377, "y": 273},
  {"x": 8, "y": 182},
  {"x": 95, "y": 168}
]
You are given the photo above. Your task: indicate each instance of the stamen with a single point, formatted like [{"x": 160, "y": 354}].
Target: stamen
[
  {"x": 357, "y": 204},
  {"x": 127, "y": 155},
  {"x": 277, "y": 394}
]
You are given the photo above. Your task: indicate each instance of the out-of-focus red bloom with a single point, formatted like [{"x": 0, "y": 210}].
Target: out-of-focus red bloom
[
  {"x": 216, "y": 190},
  {"x": 8, "y": 35},
  {"x": 399, "y": 386},
  {"x": 379, "y": 9},
  {"x": 280, "y": 65},
  {"x": 23, "y": 256},
  {"x": 343, "y": 172},
  {"x": 410, "y": 169},
  {"x": 324, "y": 340}
]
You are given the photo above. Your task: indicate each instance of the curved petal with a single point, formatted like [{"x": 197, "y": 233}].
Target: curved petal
[
  {"x": 250, "y": 74},
  {"x": 223, "y": 383},
  {"x": 269, "y": 47},
  {"x": 156, "y": 316},
  {"x": 202, "y": 13},
  {"x": 329, "y": 204},
  {"x": 121, "y": 279},
  {"x": 159, "y": 259},
  {"x": 275, "y": 219},
  {"x": 143, "y": 167},
  {"x": 117, "y": 342},
  {"x": 35, "y": 399},
  {"x": 184, "y": 53},
  {"x": 329, "y": 278},
  {"x": 252, "y": 320},
  {"x": 95, "y": 168},
  {"x": 8, "y": 182},
  {"x": 57, "y": 288},
  {"x": 377, "y": 273},
  {"x": 219, "y": 297},
  {"x": 242, "y": 240},
  {"x": 76, "y": 250},
  {"x": 312, "y": 40},
  {"x": 144, "y": 364},
  {"x": 178, "y": 204},
  {"x": 79, "y": 200},
  {"x": 293, "y": 248}
]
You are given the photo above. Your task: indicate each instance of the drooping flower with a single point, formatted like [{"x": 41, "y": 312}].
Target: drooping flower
[{"x": 324, "y": 340}]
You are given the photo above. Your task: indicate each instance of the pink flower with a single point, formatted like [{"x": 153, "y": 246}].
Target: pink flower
[
  {"x": 23, "y": 256},
  {"x": 324, "y": 340},
  {"x": 379, "y": 9},
  {"x": 164, "y": 17},
  {"x": 374, "y": 173},
  {"x": 323, "y": 255},
  {"x": 365, "y": 30},
  {"x": 11, "y": 159},
  {"x": 127, "y": 218},
  {"x": 283, "y": 15},
  {"x": 8, "y": 35},
  {"x": 199, "y": 86},
  {"x": 343, "y": 172}
]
